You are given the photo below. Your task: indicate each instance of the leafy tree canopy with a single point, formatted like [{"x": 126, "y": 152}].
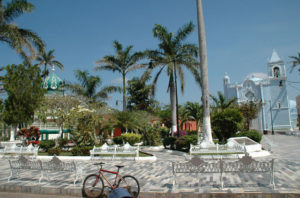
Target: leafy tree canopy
[{"x": 23, "y": 84}]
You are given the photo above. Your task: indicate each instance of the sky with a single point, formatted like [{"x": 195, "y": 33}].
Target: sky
[{"x": 241, "y": 36}]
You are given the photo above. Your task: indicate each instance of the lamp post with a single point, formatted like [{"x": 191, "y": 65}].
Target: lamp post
[{"x": 271, "y": 118}]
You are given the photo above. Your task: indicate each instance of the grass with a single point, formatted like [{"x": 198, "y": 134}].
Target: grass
[
  {"x": 233, "y": 153},
  {"x": 65, "y": 153}
]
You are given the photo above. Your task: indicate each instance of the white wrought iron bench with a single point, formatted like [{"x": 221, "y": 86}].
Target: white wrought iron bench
[
  {"x": 16, "y": 166},
  {"x": 233, "y": 150},
  {"x": 54, "y": 165},
  {"x": 20, "y": 150},
  {"x": 244, "y": 165},
  {"x": 114, "y": 150}
]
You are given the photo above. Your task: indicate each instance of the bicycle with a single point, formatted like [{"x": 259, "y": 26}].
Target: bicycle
[{"x": 93, "y": 184}]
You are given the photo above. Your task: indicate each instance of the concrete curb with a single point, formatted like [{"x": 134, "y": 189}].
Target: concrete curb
[{"x": 77, "y": 192}]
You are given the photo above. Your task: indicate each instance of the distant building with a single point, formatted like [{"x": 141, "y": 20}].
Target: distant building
[
  {"x": 268, "y": 89},
  {"x": 49, "y": 130}
]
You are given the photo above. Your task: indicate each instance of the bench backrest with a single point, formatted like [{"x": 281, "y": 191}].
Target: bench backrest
[
  {"x": 56, "y": 164},
  {"x": 197, "y": 165},
  {"x": 24, "y": 163},
  {"x": 127, "y": 148},
  {"x": 247, "y": 164}
]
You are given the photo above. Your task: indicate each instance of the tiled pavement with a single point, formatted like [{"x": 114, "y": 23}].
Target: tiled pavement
[{"x": 156, "y": 177}]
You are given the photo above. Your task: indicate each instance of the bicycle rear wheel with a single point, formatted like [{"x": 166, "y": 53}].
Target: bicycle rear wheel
[
  {"x": 131, "y": 184},
  {"x": 92, "y": 186}
]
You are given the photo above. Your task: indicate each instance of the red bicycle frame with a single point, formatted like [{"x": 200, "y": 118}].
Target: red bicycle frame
[{"x": 114, "y": 185}]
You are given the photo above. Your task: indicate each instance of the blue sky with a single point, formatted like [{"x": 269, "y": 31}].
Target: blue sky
[{"x": 241, "y": 36}]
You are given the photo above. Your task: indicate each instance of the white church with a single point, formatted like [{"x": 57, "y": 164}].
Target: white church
[{"x": 269, "y": 89}]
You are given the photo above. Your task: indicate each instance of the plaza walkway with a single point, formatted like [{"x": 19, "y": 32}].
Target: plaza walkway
[{"x": 156, "y": 177}]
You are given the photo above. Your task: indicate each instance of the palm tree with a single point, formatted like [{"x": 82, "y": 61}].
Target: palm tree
[
  {"x": 173, "y": 54},
  {"x": 207, "y": 140},
  {"x": 123, "y": 62},
  {"x": 47, "y": 59},
  {"x": 21, "y": 40},
  {"x": 295, "y": 61},
  {"x": 88, "y": 87},
  {"x": 194, "y": 111},
  {"x": 221, "y": 103}
]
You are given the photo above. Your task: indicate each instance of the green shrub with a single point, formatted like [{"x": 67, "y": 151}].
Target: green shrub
[
  {"x": 184, "y": 142},
  {"x": 118, "y": 140},
  {"x": 169, "y": 141},
  {"x": 47, "y": 144},
  {"x": 151, "y": 135},
  {"x": 131, "y": 138},
  {"x": 62, "y": 142},
  {"x": 54, "y": 151},
  {"x": 252, "y": 134},
  {"x": 81, "y": 150},
  {"x": 164, "y": 132}
]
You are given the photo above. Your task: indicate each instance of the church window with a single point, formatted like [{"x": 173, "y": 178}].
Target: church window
[{"x": 276, "y": 72}]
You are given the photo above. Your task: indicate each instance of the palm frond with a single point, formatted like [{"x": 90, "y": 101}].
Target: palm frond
[{"x": 16, "y": 8}]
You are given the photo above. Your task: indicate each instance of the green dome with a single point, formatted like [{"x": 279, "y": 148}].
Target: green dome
[{"x": 52, "y": 82}]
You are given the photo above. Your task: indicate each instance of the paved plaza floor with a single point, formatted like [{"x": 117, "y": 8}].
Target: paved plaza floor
[{"x": 156, "y": 177}]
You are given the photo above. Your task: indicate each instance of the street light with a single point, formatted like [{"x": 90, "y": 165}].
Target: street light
[{"x": 271, "y": 118}]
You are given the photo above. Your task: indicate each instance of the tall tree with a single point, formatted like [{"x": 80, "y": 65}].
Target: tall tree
[
  {"x": 295, "y": 61},
  {"x": 207, "y": 140},
  {"x": 139, "y": 95},
  {"x": 23, "y": 86},
  {"x": 221, "y": 103},
  {"x": 87, "y": 87},
  {"x": 173, "y": 54},
  {"x": 21, "y": 40},
  {"x": 249, "y": 111},
  {"x": 48, "y": 59},
  {"x": 123, "y": 62}
]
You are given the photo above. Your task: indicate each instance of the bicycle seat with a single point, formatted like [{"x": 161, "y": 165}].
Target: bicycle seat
[
  {"x": 119, "y": 166},
  {"x": 100, "y": 163}
]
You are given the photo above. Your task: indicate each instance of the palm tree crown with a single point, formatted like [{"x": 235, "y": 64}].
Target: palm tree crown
[
  {"x": 21, "y": 40},
  {"x": 87, "y": 87},
  {"x": 123, "y": 62},
  {"x": 221, "y": 103},
  {"x": 193, "y": 111},
  {"x": 295, "y": 61},
  {"x": 173, "y": 53},
  {"x": 47, "y": 59}
]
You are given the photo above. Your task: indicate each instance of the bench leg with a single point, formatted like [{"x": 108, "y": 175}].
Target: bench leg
[
  {"x": 13, "y": 172},
  {"x": 272, "y": 183},
  {"x": 174, "y": 180},
  {"x": 42, "y": 175},
  {"x": 221, "y": 181}
]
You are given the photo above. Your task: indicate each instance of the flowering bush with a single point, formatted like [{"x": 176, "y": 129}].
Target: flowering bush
[
  {"x": 33, "y": 142},
  {"x": 32, "y": 133},
  {"x": 54, "y": 151},
  {"x": 181, "y": 133}
]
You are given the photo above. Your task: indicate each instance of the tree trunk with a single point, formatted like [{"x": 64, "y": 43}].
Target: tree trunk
[
  {"x": 173, "y": 105},
  {"x": 207, "y": 134},
  {"x": 124, "y": 93}
]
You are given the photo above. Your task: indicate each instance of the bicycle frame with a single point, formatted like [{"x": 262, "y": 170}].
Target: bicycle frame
[{"x": 114, "y": 185}]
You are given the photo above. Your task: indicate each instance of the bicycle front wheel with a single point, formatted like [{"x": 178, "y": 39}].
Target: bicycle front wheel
[
  {"x": 92, "y": 186},
  {"x": 131, "y": 184}
]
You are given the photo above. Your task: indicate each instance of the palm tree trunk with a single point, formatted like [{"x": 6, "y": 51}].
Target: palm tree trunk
[
  {"x": 124, "y": 92},
  {"x": 207, "y": 134},
  {"x": 173, "y": 105}
]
